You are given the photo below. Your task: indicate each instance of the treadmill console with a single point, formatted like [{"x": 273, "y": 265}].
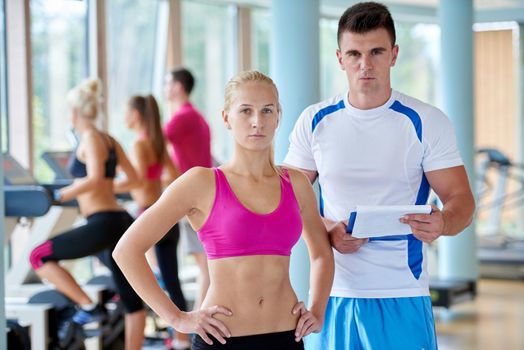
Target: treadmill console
[
  {"x": 16, "y": 174},
  {"x": 58, "y": 161}
]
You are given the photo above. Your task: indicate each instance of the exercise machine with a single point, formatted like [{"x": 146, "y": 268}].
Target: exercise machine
[
  {"x": 45, "y": 311},
  {"x": 500, "y": 184}
]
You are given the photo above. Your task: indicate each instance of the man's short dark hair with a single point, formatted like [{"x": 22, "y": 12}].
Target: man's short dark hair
[
  {"x": 365, "y": 17},
  {"x": 185, "y": 78}
]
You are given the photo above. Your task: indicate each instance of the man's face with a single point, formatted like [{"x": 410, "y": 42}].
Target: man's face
[
  {"x": 367, "y": 59},
  {"x": 169, "y": 87}
]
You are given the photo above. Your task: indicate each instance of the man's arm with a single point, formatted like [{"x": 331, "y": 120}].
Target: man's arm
[
  {"x": 340, "y": 240},
  {"x": 311, "y": 174},
  {"x": 452, "y": 187}
]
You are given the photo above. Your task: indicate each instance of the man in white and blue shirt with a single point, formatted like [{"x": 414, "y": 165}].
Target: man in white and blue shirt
[{"x": 375, "y": 146}]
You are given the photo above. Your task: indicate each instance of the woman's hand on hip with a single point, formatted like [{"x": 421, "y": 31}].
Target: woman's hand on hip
[
  {"x": 203, "y": 323},
  {"x": 307, "y": 323}
]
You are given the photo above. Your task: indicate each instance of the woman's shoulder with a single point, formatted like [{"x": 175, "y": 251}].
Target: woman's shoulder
[
  {"x": 91, "y": 135},
  {"x": 199, "y": 171},
  {"x": 99, "y": 137},
  {"x": 199, "y": 176},
  {"x": 93, "y": 138},
  {"x": 299, "y": 183},
  {"x": 196, "y": 182},
  {"x": 141, "y": 145}
]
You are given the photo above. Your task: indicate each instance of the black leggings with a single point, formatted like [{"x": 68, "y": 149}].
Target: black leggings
[
  {"x": 99, "y": 237},
  {"x": 274, "y": 341},
  {"x": 166, "y": 255}
]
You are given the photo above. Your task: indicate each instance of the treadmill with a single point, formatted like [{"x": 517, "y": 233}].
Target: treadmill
[
  {"x": 500, "y": 256},
  {"x": 23, "y": 195},
  {"x": 58, "y": 161}
]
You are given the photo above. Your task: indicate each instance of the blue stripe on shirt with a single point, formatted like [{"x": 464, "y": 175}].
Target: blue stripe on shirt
[
  {"x": 317, "y": 118},
  {"x": 415, "y": 246},
  {"x": 411, "y": 114}
]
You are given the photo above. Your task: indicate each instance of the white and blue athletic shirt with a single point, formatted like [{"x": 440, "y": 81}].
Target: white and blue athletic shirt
[{"x": 374, "y": 157}]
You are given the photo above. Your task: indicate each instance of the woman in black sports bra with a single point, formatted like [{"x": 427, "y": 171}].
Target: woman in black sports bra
[{"x": 93, "y": 165}]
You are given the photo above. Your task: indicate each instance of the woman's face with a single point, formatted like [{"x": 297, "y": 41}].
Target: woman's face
[
  {"x": 131, "y": 118},
  {"x": 253, "y": 115},
  {"x": 73, "y": 117}
]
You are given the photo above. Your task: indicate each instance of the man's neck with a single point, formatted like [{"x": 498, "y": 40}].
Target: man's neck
[
  {"x": 369, "y": 100},
  {"x": 177, "y": 103}
]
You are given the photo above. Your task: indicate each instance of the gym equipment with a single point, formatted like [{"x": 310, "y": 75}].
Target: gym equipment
[
  {"x": 58, "y": 161},
  {"x": 445, "y": 293},
  {"x": 21, "y": 189},
  {"x": 63, "y": 333},
  {"x": 36, "y": 317},
  {"x": 112, "y": 330},
  {"x": 494, "y": 161},
  {"x": 17, "y": 336},
  {"x": 45, "y": 311},
  {"x": 26, "y": 198},
  {"x": 500, "y": 255}
]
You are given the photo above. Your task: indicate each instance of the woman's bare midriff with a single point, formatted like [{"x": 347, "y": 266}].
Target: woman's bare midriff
[
  {"x": 99, "y": 199},
  {"x": 258, "y": 292}
]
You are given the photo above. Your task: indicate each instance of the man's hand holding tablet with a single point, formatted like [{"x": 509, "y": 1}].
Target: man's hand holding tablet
[{"x": 368, "y": 221}]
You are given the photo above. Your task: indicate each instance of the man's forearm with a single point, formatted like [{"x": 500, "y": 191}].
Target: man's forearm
[{"x": 458, "y": 213}]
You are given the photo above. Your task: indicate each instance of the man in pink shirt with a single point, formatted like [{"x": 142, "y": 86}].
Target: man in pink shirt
[
  {"x": 187, "y": 130},
  {"x": 188, "y": 133}
]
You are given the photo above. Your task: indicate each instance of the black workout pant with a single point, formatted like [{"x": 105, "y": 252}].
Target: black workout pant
[
  {"x": 166, "y": 255},
  {"x": 274, "y": 341},
  {"x": 99, "y": 237}
]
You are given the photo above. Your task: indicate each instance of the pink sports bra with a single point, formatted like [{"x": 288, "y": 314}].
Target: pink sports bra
[
  {"x": 233, "y": 230},
  {"x": 154, "y": 171}
]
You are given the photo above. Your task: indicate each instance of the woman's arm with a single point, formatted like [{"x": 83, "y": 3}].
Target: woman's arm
[
  {"x": 320, "y": 255},
  {"x": 131, "y": 179},
  {"x": 183, "y": 196},
  {"x": 95, "y": 154}
]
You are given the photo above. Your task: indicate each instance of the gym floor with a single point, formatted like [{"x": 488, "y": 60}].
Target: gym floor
[{"x": 495, "y": 320}]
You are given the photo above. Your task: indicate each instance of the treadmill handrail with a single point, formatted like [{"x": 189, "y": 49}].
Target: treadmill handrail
[{"x": 26, "y": 201}]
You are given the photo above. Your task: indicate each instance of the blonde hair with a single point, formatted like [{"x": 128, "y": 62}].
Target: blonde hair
[
  {"x": 252, "y": 76},
  {"x": 86, "y": 98}
]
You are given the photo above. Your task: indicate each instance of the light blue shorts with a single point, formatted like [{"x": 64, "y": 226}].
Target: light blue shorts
[{"x": 376, "y": 324}]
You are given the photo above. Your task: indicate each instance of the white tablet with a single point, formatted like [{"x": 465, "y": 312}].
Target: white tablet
[{"x": 382, "y": 220}]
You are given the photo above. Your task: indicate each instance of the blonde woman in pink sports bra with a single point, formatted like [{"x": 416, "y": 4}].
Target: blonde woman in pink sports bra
[{"x": 248, "y": 214}]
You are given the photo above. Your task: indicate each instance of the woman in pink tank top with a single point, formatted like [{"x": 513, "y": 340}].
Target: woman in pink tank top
[
  {"x": 154, "y": 168},
  {"x": 248, "y": 214},
  {"x": 149, "y": 155}
]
